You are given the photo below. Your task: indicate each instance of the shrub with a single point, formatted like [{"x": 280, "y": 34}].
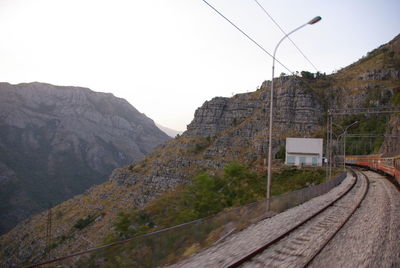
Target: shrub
[
  {"x": 396, "y": 99},
  {"x": 198, "y": 148},
  {"x": 132, "y": 224},
  {"x": 281, "y": 153},
  {"x": 307, "y": 75},
  {"x": 210, "y": 194},
  {"x": 291, "y": 179},
  {"x": 84, "y": 222}
]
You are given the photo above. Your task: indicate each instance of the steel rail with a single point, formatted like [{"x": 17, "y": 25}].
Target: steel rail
[
  {"x": 254, "y": 253},
  {"x": 311, "y": 258}
]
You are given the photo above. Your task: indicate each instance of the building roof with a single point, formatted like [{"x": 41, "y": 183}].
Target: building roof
[{"x": 304, "y": 145}]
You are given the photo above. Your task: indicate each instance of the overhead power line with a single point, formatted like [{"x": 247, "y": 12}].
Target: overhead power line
[
  {"x": 280, "y": 28},
  {"x": 251, "y": 39},
  {"x": 257, "y": 44}
]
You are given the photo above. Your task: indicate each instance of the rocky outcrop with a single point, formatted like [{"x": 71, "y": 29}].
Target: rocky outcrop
[
  {"x": 296, "y": 108},
  {"x": 243, "y": 120},
  {"x": 55, "y": 142},
  {"x": 379, "y": 74},
  {"x": 391, "y": 144}
]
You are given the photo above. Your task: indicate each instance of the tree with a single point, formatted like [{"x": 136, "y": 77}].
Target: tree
[
  {"x": 281, "y": 153},
  {"x": 307, "y": 75}
]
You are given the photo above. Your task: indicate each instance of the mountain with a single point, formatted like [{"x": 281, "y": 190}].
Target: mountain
[
  {"x": 170, "y": 132},
  {"x": 223, "y": 130},
  {"x": 56, "y": 142}
]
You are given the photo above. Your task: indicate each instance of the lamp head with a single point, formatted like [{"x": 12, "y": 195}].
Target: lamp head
[{"x": 315, "y": 20}]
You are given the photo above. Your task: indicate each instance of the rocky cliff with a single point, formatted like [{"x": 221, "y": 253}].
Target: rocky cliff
[
  {"x": 56, "y": 142},
  {"x": 223, "y": 130}
]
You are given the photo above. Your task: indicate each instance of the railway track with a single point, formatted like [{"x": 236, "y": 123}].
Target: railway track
[{"x": 301, "y": 244}]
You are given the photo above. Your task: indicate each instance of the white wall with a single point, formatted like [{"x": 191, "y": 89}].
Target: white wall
[
  {"x": 304, "y": 147},
  {"x": 308, "y": 159}
]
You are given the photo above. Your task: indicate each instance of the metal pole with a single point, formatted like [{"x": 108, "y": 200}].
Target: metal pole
[
  {"x": 270, "y": 136},
  {"x": 344, "y": 150},
  {"x": 327, "y": 145},
  {"x": 344, "y": 143},
  {"x": 338, "y": 143},
  {"x": 330, "y": 150},
  {"x": 337, "y": 138},
  {"x": 314, "y": 20}
]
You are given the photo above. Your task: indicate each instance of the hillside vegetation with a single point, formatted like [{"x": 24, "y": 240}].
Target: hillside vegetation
[
  {"x": 189, "y": 172},
  {"x": 208, "y": 195}
]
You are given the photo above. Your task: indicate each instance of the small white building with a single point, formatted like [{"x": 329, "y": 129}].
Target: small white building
[{"x": 303, "y": 151}]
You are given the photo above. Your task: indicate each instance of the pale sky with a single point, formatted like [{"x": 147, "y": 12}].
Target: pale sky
[{"x": 167, "y": 57}]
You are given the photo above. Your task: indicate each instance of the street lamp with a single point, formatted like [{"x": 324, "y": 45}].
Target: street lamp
[
  {"x": 338, "y": 137},
  {"x": 313, "y": 21},
  {"x": 337, "y": 142},
  {"x": 344, "y": 143}
]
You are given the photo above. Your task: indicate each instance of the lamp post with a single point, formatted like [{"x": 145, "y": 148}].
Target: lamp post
[
  {"x": 313, "y": 21},
  {"x": 344, "y": 143},
  {"x": 338, "y": 137},
  {"x": 338, "y": 142}
]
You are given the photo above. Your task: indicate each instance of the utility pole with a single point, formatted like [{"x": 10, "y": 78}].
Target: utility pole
[
  {"x": 48, "y": 231},
  {"x": 327, "y": 145},
  {"x": 271, "y": 105}
]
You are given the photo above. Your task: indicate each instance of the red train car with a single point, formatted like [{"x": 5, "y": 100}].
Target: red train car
[
  {"x": 397, "y": 168},
  {"x": 388, "y": 164}
]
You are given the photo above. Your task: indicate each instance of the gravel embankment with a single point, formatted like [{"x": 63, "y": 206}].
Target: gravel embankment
[
  {"x": 297, "y": 248},
  {"x": 371, "y": 238},
  {"x": 246, "y": 241}
]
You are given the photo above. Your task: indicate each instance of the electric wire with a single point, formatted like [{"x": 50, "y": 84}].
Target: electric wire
[
  {"x": 299, "y": 78},
  {"x": 251, "y": 39},
  {"x": 280, "y": 28}
]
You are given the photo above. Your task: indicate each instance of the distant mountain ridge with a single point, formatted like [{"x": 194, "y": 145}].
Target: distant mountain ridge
[
  {"x": 55, "y": 142},
  {"x": 170, "y": 132}
]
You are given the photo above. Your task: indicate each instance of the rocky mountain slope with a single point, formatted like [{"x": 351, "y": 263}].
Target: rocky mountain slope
[
  {"x": 56, "y": 142},
  {"x": 223, "y": 130}
]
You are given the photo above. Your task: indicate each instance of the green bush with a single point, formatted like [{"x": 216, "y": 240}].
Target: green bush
[
  {"x": 281, "y": 153},
  {"x": 291, "y": 179},
  {"x": 199, "y": 147},
  {"x": 396, "y": 99},
  {"x": 210, "y": 194},
  {"x": 307, "y": 75},
  {"x": 136, "y": 223},
  {"x": 84, "y": 222}
]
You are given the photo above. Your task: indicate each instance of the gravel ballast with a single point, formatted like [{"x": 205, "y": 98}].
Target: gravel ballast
[{"x": 371, "y": 238}]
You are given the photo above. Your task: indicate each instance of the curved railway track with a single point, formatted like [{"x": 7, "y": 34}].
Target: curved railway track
[{"x": 301, "y": 244}]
